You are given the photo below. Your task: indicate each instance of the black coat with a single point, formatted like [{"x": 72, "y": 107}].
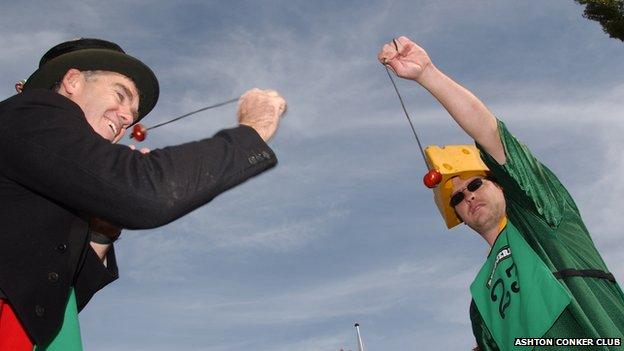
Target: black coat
[{"x": 56, "y": 172}]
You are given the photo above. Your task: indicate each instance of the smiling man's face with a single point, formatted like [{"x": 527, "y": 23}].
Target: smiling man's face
[
  {"x": 481, "y": 209},
  {"x": 109, "y": 100}
]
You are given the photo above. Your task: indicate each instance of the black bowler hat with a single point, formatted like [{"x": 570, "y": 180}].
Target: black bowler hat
[{"x": 86, "y": 54}]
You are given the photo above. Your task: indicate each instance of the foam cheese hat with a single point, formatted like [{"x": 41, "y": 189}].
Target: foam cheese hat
[{"x": 453, "y": 161}]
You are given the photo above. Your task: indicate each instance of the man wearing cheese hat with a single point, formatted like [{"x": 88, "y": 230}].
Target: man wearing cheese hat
[{"x": 543, "y": 277}]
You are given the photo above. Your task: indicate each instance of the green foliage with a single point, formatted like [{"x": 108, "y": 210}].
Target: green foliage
[{"x": 609, "y": 13}]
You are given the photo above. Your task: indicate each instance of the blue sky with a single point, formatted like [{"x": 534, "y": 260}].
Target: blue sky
[{"x": 342, "y": 231}]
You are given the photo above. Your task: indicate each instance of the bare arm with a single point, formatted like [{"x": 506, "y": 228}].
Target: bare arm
[{"x": 410, "y": 61}]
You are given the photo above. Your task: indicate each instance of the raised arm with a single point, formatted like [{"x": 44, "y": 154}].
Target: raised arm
[
  {"x": 60, "y": 157},
  {"x": 410, "y": 61}
]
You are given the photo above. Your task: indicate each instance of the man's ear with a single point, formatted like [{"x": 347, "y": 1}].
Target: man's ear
[{"x": 72, "y": 82}]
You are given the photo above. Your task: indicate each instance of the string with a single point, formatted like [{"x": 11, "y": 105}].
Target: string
[
  {"x": 407, "y": 115},
  {"x": 194, "y": 112}
]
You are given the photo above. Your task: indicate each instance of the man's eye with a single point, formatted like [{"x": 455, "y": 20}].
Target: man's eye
[{"x": 120, "y": 97}]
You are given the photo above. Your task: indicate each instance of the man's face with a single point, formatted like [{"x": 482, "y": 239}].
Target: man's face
[
  {"x": 482, "y": 209},
  {"x": 109, "y": 100}
]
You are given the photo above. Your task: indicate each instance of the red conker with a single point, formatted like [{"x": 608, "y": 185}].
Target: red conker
[
  {"x": 432, "y": 178},
  {"x": 138, "y": 132}
]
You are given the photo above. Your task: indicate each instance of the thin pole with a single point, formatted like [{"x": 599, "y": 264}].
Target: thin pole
[{"x": 359, "y": 337}]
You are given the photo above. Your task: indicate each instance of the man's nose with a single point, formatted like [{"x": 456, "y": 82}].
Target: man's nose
[
  {"x": 126, "y": 116},
  {"x": 470, "y": 197}
]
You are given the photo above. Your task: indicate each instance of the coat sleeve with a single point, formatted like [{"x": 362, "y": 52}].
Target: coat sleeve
[
  {"x": 94, "y": 275},
  {"x": 50, "y": 148},
  {"x": 527, "y": 181}
]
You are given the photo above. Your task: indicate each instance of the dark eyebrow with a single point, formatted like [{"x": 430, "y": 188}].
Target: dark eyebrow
[{"x": 135, "y": 113}]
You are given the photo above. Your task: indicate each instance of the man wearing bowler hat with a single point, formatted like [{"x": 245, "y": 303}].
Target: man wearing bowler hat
[
  {"x": 60, "y": 170},
  {"x": 543, "y": 278}
]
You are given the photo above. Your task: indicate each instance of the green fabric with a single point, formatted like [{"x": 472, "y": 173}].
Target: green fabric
[
  {"x": 544, "y": 213},
  {"x": 68, "y": 338},
  {"x": 515, "y": 292}
]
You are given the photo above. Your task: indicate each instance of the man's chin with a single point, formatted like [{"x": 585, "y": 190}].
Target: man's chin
[{"x": 481, "y": 221}]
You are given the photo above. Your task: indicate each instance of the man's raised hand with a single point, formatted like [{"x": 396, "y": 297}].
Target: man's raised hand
[
  {"x": 406, "y": 58},
  {"x": 261, "y": 110}
]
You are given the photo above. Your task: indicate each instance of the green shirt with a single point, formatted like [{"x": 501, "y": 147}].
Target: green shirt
[
  {"x": 68, "y": 337},
  {"x": 546, "y": 216},
  {"x": 515, "y": 293}
]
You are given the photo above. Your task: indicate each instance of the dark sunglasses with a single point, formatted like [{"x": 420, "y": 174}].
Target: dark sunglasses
[{"x": 459, "y": 196}]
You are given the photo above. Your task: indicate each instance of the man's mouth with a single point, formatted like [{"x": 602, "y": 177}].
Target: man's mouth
[
  {"x": 476, "y": 207},
  {"x": 113, "y": 127}
]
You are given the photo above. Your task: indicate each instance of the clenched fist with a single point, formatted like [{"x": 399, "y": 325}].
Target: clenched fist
[
  {"x": 406, "y": 59},
  {"x": 261, "y": 110}
]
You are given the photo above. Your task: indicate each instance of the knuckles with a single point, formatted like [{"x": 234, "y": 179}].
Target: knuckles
[{"x": 258, "y": 102}]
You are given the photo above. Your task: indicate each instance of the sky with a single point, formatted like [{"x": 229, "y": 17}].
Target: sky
[{"x": 342, "y": 230}]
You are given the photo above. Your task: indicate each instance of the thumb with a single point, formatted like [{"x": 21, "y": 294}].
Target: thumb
[{"x": 389, "y": 66}]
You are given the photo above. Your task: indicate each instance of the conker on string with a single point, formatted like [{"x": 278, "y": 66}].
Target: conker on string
[
  {"x": 432, "y": 178},
  {"x": 138, "y": 132}
]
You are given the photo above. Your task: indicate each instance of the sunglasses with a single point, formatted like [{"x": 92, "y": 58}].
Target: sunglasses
[{"x": 459, "y": 196}]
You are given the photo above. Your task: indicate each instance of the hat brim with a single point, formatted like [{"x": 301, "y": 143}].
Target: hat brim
[{"x": 145, "y": 80}]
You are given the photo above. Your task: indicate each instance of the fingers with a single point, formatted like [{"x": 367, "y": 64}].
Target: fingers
[
  {"x": 387, "y": 54},
  {"x": 143, "y": 150},
  {"x": 397, "y": 47},
  {"x": 403, "y": 41},
  {"x": 405, "y": 45},
  {"x": 389, "y": 66},
  {"x": 282, "y": 105},
  {"x": 261, "y": 110},
  {"x": 257, "y": 100},
  {"x": 281, "y": 102}
]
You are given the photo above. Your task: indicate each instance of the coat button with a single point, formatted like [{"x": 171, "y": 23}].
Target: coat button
[
  {"x": 266, "y": 155},
  {"x": 39, "y": 310},
  {"x": 252, "y": 160},
  {"x": 53, "y": 277},
  {"x": 61, "y": 248}
]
